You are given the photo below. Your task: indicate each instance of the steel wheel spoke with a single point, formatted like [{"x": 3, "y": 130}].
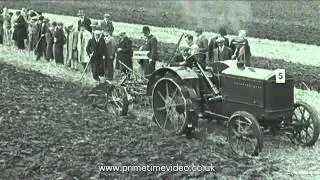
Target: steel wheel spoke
[
  {"x": 167, "y": 89},
  {"x": 174, "y": 94},
  {"x": 162, "y": 97},
  {"x": 166, "y": 119}
]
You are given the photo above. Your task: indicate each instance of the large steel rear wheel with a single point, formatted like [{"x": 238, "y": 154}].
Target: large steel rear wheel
[
  {"x": 244, "y": 134},
  {"x": 306, "y": 124},
  {"x": 170, "y": 105}
]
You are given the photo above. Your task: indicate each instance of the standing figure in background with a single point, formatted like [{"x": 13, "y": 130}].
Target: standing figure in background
[
  {"x": 201, "y": 41},
  {"x": 241, "y": 53},
  {"x": 1, "y": 26},
  {"x": 241, "y": 35},
  {"x": 31, "y": 13},
  {"x": 20, "y": 31},
  {"x": 111, "y": 46},
  {"x": 83, "y": 38},
  {"x": 59, "y": 40},
  {"x": 246, "y": 53},
  {"x": 72, "y": 47},
  {"x": 24, "y": 13},
  {"x": 7, "y": 26},
  {"x": 213, "y": 44},
  {"x": 222, "y": 52},
  {"x": 33, "y": 33},
  {"x": 41, "y": 45},
  {"x": 49, "y": 39},
  {"x": 84, "y": 21},
  {"x": 124, "y": 53},
  {"x": 96, "y": 49},
  {"x": 151, "y": 45},
  {"x": 192, "y": 47},
  {"x": 106, "y": 25}
]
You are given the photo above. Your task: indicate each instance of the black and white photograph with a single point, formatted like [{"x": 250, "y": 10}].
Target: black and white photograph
[{"x": 159, "y": 90}]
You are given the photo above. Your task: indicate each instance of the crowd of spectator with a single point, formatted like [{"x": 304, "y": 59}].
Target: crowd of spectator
[{"x": 92, "y": 43}]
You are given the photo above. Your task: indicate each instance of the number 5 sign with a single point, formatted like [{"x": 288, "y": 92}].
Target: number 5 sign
[{"x": 280, "y": 75}]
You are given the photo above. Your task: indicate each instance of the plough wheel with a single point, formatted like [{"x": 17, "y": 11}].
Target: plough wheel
[
  {"x": 305, "y": 122},
  {"x": 118, "y": 102},
  {"x": 244, "y": 134},
  {"x": 170, "y": 105}
]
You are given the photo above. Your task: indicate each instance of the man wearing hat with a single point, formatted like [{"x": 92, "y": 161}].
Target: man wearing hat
[
  {"x": 1, "y": 26},
  {"x": 20, "y": 31},
  {"x": 96, "y": 49},
  {"x": 83, "y": 20},
  {"x": 241, "y": 35},
  {"x": 111, "y": 46},
  {"x": 213, "y": 44},
  {"x": 201, "y": 41},
  {"x": 33, "y": 33},
  {"x": 49, "y": 40},
  {"x": 106, "y": 24},
  {"x": 72, "y": 47},
  {"x": 222, "y": 52},
  {"x": 6, "y": 26},
  {"x": 59, "y": 41},
  {"x": 124, "y": 52},
  {"x": 151, "y": 45},
  {"x": 41, "y": 45},
  {"x": 242, "y": 51},
  {"x": 94, "y": 25}
]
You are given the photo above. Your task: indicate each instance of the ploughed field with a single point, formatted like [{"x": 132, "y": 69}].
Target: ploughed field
[
  {"x": 49, "y": 130},
  {"x": 295, "y": 21}
]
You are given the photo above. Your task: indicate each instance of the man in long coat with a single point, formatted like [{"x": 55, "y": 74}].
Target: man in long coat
[
  {"x": 20, "y": 31},
  {"x": 72, "y": 47},
  {"x": 59, "y": 41},
  {"x": 111, "y": 47},
  {"x": 1, "y": 27},
  {"x": 96, "y": 49},
  {"x": 49, "y": 39},
  {"x": 7, "y": 26},
  {"x": 150, "y": 45},
  {"x": 83, "y": 38},
  {"x": 124, "y": 52},
  {"x": 41, "y": 46},
  {"x": 106, "y": 25},
  {"x": 33, "y": 33},
  {"x": 84, "y": 21}
]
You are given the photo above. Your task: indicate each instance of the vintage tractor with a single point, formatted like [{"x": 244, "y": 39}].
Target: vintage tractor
[{"x": 248, "y": 99}]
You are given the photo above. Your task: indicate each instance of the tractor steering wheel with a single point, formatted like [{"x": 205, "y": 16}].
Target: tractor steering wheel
[{"x": 196, "y": 58}]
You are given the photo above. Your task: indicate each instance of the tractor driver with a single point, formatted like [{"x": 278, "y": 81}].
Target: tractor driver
[{"x": 181, "y": 57}]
